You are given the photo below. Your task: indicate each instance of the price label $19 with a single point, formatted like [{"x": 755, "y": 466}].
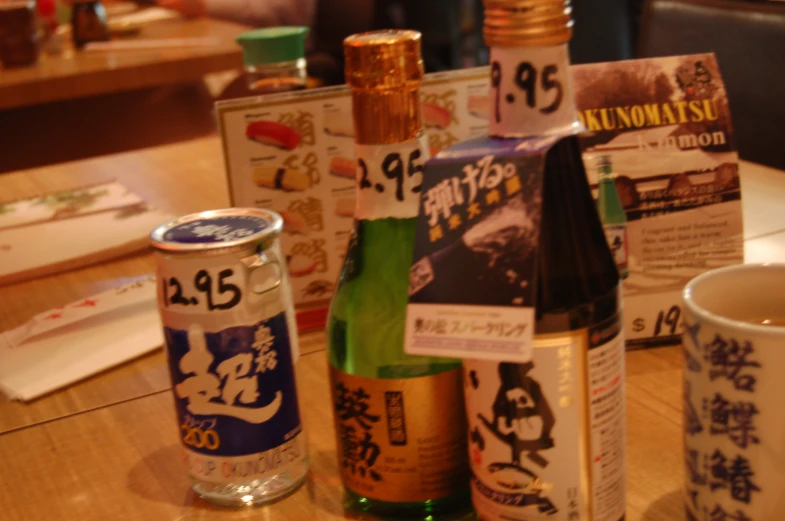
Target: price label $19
[{"x": 664, "y": 323}]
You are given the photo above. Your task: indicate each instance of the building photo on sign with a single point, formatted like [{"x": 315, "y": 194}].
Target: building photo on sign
[{"x": 661, "y": 128}]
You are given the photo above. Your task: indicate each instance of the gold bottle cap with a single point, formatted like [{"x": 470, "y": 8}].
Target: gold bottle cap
[
  {"x": 527, "y": 23},
  {"x": 383, "y": 60},
  {"x": 384, "y": 70}
]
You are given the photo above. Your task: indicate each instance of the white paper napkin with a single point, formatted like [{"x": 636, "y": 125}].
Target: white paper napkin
[
  {"x": 66, "y": 344},
  {"x": 88, "y": 224}
]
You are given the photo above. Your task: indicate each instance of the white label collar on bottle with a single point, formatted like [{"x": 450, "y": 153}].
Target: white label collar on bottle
[
  {"x": 389, "y": 179},
  {"x": 531, "y": 91}
]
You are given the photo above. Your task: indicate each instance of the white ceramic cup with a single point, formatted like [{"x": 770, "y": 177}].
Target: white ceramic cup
[{"x": 734, "y": 394}]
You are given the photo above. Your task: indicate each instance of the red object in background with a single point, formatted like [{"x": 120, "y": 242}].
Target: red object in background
[
  {"x": 46, "y": 8},
  {"x": 46, "y": 13},
  {"x": 311, "y": 319}
]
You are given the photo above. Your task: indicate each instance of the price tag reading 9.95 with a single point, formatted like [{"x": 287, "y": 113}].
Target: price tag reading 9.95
[
  {"x": 204, "y": 290},
  {"x": 389, "y": 179},
  {"x": 529, "y": 79}
]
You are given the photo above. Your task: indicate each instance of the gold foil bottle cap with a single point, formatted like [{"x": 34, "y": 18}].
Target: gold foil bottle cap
[
  {"x": 383, "y": 60},
  {"x": 527, "y": 23},
  {"x": 384, "y": 70}
]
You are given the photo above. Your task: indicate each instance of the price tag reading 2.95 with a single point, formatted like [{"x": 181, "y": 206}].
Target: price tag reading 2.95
[
  {"x": 389, "y": 179},
  {"x": 210, "y": 290},
  {"x": 393, "y": 168}
]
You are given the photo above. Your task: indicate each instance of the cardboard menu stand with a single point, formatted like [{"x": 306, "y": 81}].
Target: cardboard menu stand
[
  {"x": 664, "y": 123},
  {"x": 666, "y": 127},
  {"x": 294, "y": 154}
]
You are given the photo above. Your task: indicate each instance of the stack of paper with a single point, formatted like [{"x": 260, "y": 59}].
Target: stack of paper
[
  {"x": 66, "y": 344},
  {"x": 72, "y": 229}
]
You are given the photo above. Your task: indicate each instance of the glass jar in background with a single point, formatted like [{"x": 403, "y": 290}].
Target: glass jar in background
[
  {"x": 18, "y": 34},
  {"x": 88, "y": 22},
  {"x": 274, "y": 59}
]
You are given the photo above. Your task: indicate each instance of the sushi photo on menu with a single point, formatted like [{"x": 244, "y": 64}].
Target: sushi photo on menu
[{"x": 273, "y": 134}]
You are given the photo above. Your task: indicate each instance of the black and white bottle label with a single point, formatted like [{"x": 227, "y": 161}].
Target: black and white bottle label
[{"x": 546, "y": 438}]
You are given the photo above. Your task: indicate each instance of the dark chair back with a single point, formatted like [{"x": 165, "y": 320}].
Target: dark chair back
[
  {"x": 748, "y": 39},
  {"x": 602, "y": 31}
]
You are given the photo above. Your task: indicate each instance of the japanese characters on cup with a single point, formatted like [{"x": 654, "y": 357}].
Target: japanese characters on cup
[{"x": 733, "y": 426}]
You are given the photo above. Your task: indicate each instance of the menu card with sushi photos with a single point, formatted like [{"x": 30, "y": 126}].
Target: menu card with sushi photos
[
  {"x": 662, "y": 123},
  {"x": 294, "y": 154}
]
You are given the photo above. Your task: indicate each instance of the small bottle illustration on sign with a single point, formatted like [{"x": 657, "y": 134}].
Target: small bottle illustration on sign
[{"x": 614, "y": 220}]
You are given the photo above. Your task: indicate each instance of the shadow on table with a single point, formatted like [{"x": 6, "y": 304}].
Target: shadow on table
[
  {"x": 161, "y": 478},
  {"x": 323, "y": 484},
  {"x": 326, "y": 494},
  {"x": 50, "y": 133},
  {"x": 669, "y": 506}
]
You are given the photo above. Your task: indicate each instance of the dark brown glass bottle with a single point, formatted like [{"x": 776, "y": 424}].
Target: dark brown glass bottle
[
  {"x": 88, "y": 22},
  {"x": 547, "y": 436},
  {"x": 577, "y": 279},
  {"x": 18, "y": 34}
]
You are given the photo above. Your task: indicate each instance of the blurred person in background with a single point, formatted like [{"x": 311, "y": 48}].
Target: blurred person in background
[
  {"x": 256, "y": 13},
  {"x": 330, "y": 22}
]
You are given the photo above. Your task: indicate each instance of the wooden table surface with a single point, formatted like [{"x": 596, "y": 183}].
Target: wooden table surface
[
  {"x": 107, "y": 448},
  {"x": 74, "y": 74}
]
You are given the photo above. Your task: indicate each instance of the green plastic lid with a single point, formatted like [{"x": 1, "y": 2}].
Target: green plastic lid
[{"x": 273, "y": 44}]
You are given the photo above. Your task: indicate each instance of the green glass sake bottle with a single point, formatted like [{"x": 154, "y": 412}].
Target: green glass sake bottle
[
  {"x": 399, "y": 418},
  {"x": 614, "y": 220}
]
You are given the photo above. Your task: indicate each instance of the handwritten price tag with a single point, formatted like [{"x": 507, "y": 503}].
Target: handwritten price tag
[
  {"x": 530, "y": 91},
  {"x": 389, "y": 179},
  {"x": 652, "y": 320},
  {"x": 206, "y": 290}
]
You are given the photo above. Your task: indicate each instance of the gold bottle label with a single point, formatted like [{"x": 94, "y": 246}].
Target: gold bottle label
[{"x": 401, "y": 440}]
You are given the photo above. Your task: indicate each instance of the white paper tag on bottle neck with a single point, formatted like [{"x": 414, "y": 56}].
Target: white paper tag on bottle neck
[
  {"x": 531, "y": 91},
  {"x": 389, "y": 179}
]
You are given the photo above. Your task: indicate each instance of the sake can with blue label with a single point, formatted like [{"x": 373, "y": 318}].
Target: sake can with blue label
[{"x": 231, "y": 340}]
